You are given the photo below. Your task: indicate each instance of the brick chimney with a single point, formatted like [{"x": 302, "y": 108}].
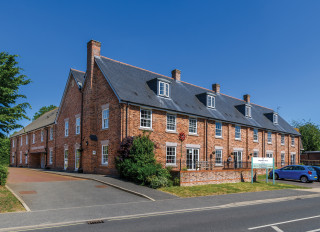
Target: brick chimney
[
  {"x": 246, "y": 98},
  {"x": 216, "y": 88},
  {"x": 93, "y": 49},
  {"x": 176, "y": 74}
]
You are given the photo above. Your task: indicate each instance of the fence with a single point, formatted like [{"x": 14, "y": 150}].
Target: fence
[{"x": 311, "y": 162}]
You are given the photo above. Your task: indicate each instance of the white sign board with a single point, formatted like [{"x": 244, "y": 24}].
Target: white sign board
[{"x": 258, "y": 162}]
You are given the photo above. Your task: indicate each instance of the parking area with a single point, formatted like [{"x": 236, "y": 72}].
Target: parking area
[{"x": 46, "y": 191}]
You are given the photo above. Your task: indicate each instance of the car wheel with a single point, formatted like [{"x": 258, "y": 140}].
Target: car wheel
[
  {"x": 304, "y": 179},
  {"x": 276, "y": 176}
]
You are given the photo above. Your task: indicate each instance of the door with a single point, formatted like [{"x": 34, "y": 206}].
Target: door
[
  {"x": 42, "y": 161},
  {"x": 192, "y": 158},
  {"x": 286, "y": 172},
  {"x": 65, "y": 165},
  {"x": 237, "y": 159},
  {"x": 77, "y": 160}
]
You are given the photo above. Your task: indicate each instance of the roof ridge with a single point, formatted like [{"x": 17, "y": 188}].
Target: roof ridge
[
  {"x": 77, "y": 70},
  {"x": 180, "y": 81}
]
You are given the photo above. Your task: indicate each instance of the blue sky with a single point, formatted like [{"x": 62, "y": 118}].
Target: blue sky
[{"x": 269, "y": 49}]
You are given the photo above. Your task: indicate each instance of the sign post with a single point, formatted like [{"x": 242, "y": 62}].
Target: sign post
[
  {"x": 266, "y": 163},
  {"x": 273, "y": 172}
]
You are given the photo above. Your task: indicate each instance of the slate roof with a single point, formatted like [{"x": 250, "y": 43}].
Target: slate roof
[
  {"x": 130, "y": 85},
  {"x": 78, "y": 76},
  {"x": 46, "y": 119}
]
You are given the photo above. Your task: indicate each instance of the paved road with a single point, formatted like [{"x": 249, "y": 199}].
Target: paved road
[
  {"x": 46, "y": 191},
  {"x": 293, "y": 216}
]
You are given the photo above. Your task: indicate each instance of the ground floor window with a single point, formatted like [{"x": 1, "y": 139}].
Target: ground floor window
[
  {"x": 26, "y": 158},
  {"x": 293, "y": 158},
  {"x": 282, "y": 159},
  {"x": 20, "y": 157},
  {"x": 104, "y": 155},
  {"x": 77, "y": 160},
  {"x": 192, "y": 158},
  {"x": 50, "y": 157},
  {"x": 12, "y": 157},
  {"x": 171, "y": 156},
  {"x": 218, "y": 157},
  {"x": 269, "y": 155},
  {"x": 66, "y": 159}
]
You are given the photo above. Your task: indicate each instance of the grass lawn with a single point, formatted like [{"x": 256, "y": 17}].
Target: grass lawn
[
  {"x": 220, "y": 189},
  {"x": 8, "y": 202}
]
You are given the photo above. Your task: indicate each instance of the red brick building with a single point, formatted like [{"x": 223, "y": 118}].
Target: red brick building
[{"x": 112, "y": 100}]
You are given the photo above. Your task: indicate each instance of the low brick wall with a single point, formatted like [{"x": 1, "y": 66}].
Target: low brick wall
[{"x": 190, "y": 178}]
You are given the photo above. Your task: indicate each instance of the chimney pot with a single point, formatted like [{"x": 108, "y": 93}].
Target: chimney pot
[
  {"x": 246, "y": 98},
  {"x": 216, "y": 87},
  {"x": 176, "y": 74}
]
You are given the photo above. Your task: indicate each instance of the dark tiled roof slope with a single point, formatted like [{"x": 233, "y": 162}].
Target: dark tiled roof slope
[
  {"x": 46, "y": 119},
  {"x": 130, "y": 85},
  {"x": 78, "y": 76}
]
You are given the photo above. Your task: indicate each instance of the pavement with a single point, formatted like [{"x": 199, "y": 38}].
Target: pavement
[{"x": 47, "y": 191}]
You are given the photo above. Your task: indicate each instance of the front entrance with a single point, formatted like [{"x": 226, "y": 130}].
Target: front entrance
[
  {"x": 77, "y": 160},
  {"x": 237, "y": 159},
  {"x": 192, "y": 158},
  {"x": 43, "y": 160},
  {"x": 65, "y": 165}
]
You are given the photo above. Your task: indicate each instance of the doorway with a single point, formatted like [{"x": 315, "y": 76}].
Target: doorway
[
  {"x": 77, "y": 160},
  {"x": 192, "y": 158},
  {"x": 237, "y": 159},
  {"x": 65, "y": 165}
]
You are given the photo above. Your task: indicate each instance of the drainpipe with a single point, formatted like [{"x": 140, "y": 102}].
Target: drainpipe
[
  {"x": 80, "y": 169},
  {"x": 46, "y": 159},
  {"x": 127, "y": 119},
  {"x": 206, "y": 140}
]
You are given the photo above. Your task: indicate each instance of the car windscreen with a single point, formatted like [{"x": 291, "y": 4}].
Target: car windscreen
[{"x": 311, "y": 168}]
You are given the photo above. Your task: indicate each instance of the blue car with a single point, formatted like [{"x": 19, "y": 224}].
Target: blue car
[
  {"x": 296, "y": 172},
  {"x": 317, "y": 169}
]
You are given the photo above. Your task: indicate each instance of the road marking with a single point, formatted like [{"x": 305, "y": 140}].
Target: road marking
[
  {"x": 134, "y": 216},
  {"x": 276, "y": 228},
  {"x": 316, "y": 230},
  {"x": 285, "y": 222},
  {"x": 47, "y": 227}
]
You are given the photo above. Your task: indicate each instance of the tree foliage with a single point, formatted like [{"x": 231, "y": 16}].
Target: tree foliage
[
  {"x": 10, "y": 81},
  {"x": 137, "y": 163},
  {"x": 4, "y": 151},
  {"x": 310, "y": 135},
  {"x": 43, "y": 110}
]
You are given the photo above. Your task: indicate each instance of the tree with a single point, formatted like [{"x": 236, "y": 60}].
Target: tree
[
  {"x": 310, "y": 135},
  {"x": 43, "y": 110},
  {"x": 4, "y": 151},
  {"x": 10, "y": 82}
]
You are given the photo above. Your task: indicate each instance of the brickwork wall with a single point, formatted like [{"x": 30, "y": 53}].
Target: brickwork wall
[{"x": 190, "y": 178}]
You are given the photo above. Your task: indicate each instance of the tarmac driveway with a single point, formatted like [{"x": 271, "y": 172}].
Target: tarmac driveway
[{"x": 44, "y": 191}]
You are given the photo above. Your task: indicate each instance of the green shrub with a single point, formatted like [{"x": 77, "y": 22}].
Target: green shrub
[
  {"x": 4, "y": 151},
  {"x": 3, "y": 175},
  {"x": 137, "y": 163}
]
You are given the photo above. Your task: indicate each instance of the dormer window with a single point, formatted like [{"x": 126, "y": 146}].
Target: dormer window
[
  {"x": 248, "y": 111},
  {"x": 275, "y": 118},
  {"x": 211, "y": 103},
  {"x": 163, "y": 89}
]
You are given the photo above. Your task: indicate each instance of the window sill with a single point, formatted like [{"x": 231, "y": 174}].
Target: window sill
[
  {"x": 146, "y": 129},
  {"x": 292, "y": 146},
  {"x": 282, "y": 144},
  {"x": 218, "y": 165},
  {"x": 104, "y": 165},
  {"x": 193, "y": 134},
  {"x": 269, "y": 143},
  {"x": 171, "y": 165},
  {"x": 255, "y": 141},
  {"x": 237, "y": 139},
  {"x": 171, "y": 132},
  {"x": 104, "y": 129},
  {"x": 219, "y": 137}
]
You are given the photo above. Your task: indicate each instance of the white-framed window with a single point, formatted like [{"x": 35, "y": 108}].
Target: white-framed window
[
  {"x": 26, "y": 158},
  {"x": 255, "y": 154},
  {"x": 282, "y": 158},
  {"x": 33, "y": 138},
  {"x": 269, "y": 137},
  {"x": 105, "y": 119},
  {"x": 255, "y": 135},
  {"x": 12, "y": 157},
  {"x": 21, "y": 141},
  {"x": 12, "y": 142},
  {"x": 27, "y": 139},
  {"x": 20, "y": 157},
  {"x": 211, "y": 101},
  {"x": 292, "y": 141},
  {"x": 66, "y": 128},
  {"x": 77, "y": 126},
  {"x": 105, "y": 153},
  {"x": 171, "y": 155},
  {"x": 293, "y": 158},
  {"x": 163, "y": 89},
  {"x": 218, "y": 160},
  {"x": 282, "y": 139},
  {"x": 42, "y": 133},
  {"x": 50, "y": 157},
  {"x": 51, "y": 133},
  {"x": 219, "y": 129},
  {"x": 269, "y": 154},
  {"x": 237, "y": 132},
  {"x": 275, "y": 118},
  {"x": 248, "y": 111},
  {"x": 145, "y": 118},
  {"x": 192, "y": 125},
  {"x": 171, "y": 122}
]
